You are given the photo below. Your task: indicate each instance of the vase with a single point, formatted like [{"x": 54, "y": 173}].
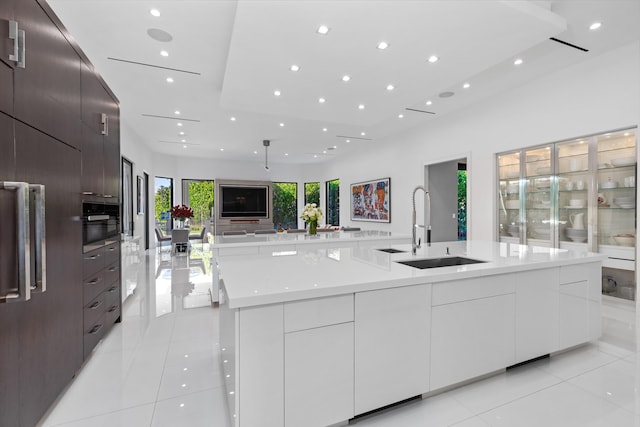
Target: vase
[
  {"x": 179, "y": 224},
  {"x": 313, "y": 228}
]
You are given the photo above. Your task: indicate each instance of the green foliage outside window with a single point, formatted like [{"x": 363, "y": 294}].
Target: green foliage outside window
[
  {"x": 163, "y": 202},
  {"x": 201, "y": 197},
  {"x": 285, "y": 204},
  {"x": 333, "y": 202},
  {"x": 312, "y": 193},
  {"x": 462, "y": 205}
]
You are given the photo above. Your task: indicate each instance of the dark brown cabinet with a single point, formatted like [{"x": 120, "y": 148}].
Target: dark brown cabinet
[
  {"x": 101, "y": 140},
  {"x": 45, "y": 140}
]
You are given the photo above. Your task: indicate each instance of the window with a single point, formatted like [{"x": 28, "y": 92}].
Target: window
[
  {"x": 127, "y": 197},
  {"x": 163, "y": 201},
  {"x": 312, "y": 192},
  {"x": 333, "y": 202},
  {"x": 198, "y": 195},
  {"x": 285, "y": 204},
  {"x": 462, "y": 201}
]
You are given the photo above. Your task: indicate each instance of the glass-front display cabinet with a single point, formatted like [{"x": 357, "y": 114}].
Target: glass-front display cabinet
[{"x": 578, "y": 194}]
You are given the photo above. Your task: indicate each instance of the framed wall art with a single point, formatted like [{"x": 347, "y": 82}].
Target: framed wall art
[{"x": 371, "y": 200}]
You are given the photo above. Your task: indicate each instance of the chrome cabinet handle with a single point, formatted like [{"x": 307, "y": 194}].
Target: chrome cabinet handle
[
  {"x": 104, "y": 120},
  {"x": 95, "y": 305},
  {"x": 23, "y": 291},
  {"x": 93, "y": 257},
  {"x": 112, "y": 269},
  {"x": 40, "y": 284},
  {"x": 97, "y": 217},
  {"x": 94, "y": 282},
  {"x": 112, "y": 309},
  {"x": 112, "y": 289},
  {"x": 95, "y": 329},
  {"x": 18, "y": 37}
]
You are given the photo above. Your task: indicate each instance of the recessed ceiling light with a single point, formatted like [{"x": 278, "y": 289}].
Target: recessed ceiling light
[
  {"x": 315, "y": 156},
  {"x": 335, "y": 147},
  {"x": 154, "y": 12},
  {"x": 179, "y": 124},
  {"x": 346, "y": 78},
  {"x": 466, "y": 86},
  {"x": 595, "y": 26},
  {"x": 324, "y": 129},
  {"x": 286, "y": 154},
  {"x": 169, "y": 79},
  {"x": 222, "y": 149},
  {"x": 180, "y": 133},
  {"x": 294, "y": 67},
  {"x": 321, "y": 100},
  {"x": 177, "y": 112},
  {"x": 390, "y": 87},
  {"x": 233, "y": 119},
  {"x": 433, "y": 59},
  {"x": 164, "y": 53},
  {"x": 281, "y": 124},
  {"x": 276, "y": 93},
  {"x": 400, "y": 116},
  {"x": 348, "y": 140},
  {"x": 324, "y": 151},
  {"x": 362, "y": 133},
  {"x": 518, "y": 61},
  {"x": 383, "y": 45},
  {"x": 323, "y": 29},
  {"x": 361, "y": 107},
  {"x": 428, "y": 102},
  {"x": 626, "y": 134},
  {"x": 184, "y": 146},
  {"x": 183, "y": 140},
  {"x": 255, "y": 152}
]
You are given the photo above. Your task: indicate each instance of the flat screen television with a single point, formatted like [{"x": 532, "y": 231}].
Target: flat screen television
[{"x": 244, "y": 202}]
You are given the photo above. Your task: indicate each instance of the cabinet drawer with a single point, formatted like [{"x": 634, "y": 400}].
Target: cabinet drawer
[
  {"x": 318, "y": 312},
  {"x": 93, "y": 286},
  {"x": 112, "y": 315},
  {"x": 574, "y": 273},
  {"x": 93, "y": 334},
  {"x": 112, "y": 273},
  {"x": 94, "y": 310},
  {"x": 112, "y": 302},
  {"x": 111, "y": 253},
  {"x": 92, "y": 262},
  {"x": 470, "y": 289}
]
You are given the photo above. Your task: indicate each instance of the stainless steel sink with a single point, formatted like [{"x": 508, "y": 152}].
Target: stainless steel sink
[
  {"x": 390, "y": 250},
  {"x": 439, "y": 262}
]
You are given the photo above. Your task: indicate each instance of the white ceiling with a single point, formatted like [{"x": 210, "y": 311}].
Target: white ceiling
[{"x": 228, "y": 57}]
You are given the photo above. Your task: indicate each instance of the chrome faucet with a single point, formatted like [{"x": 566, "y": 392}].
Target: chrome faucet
[{"x": 415, "y": 243}]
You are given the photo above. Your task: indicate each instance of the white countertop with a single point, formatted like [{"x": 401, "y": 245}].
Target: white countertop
[
  {"x": 317, "y": 272},
  {"x": 321, "y": 237}
]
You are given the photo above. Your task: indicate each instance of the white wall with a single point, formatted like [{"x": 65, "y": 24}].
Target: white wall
[{"x": 596, "y": 95}]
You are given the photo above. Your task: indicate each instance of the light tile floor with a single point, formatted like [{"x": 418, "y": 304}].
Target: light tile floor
[{"x": 160, "y": 367}]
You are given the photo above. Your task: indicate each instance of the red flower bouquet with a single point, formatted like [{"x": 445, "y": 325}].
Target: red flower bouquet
[{"x": 181, "y": 212}]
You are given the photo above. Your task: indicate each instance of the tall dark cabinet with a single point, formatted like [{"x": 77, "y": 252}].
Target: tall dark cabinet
[{"x": 49, "y": 136}]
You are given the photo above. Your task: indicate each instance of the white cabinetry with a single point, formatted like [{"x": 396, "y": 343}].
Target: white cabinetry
[
  {"x": 537, "y": 314},
  {"x": 391, "y": 345},
  {"x": 318, "y": 361},
  {"x": 575, "y": 306},
  {"x": 471, "y": 337},
  {"x": 318, "y": 379}
]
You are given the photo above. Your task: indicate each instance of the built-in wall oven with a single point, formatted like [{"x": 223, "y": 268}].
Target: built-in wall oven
[{"x": 100, "y": 225}]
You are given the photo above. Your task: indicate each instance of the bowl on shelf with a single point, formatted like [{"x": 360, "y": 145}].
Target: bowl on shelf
[
  {"x": 512, "y": 204},
  {"x": 604, "y": 165},
  {"x": 577, "y": 203},
  {"x": 541, "y": 231},
  {"x": 608, "y": 184},
  {"x": 625, "y": 202},
  {"x": 623, "y": 161},
  {"x": 625, "y": 239},
  {"x": 576, "y": 234}
]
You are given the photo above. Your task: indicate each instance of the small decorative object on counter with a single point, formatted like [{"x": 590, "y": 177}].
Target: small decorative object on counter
[
  {"x": 181, "y": 213},
  {"x": 311, "y": 214}
]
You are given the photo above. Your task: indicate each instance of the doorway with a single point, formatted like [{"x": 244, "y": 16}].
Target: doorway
[
  {"x": 447, "y": 185},
  {"x": 146, "y": 210}
]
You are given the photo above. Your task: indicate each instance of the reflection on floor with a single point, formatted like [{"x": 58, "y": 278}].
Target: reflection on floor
[{"x": 160, "y": 367}]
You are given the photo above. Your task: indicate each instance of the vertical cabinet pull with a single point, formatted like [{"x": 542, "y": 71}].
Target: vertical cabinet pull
[
  {"x": 23, "y": 291},
  {"x": 19, "y": 38},
  {"x": 40, "y": 283},
  {"x": 104, "y": 120}
]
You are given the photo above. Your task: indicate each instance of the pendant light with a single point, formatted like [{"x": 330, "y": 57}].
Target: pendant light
[{"x": 266, "y": 144}]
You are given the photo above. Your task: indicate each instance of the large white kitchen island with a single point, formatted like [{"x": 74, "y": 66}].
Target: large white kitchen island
[{"x": 319, "y": 335}]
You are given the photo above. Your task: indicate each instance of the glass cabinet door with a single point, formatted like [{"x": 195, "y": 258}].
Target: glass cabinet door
[
  {"x": 574, "y": 180},
  {"x": 616, "y": 191},
  {"x": 538, "y": 207},
  {"x": 509, "y": 197}
]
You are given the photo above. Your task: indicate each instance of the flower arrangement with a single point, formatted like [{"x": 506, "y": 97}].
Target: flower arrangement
[
  {"x": 181, "y": 212},
  {"x": 311, "y": 214}
]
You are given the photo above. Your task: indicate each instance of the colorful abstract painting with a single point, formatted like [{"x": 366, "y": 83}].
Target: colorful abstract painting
[{"x": 371, "y": 200}]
